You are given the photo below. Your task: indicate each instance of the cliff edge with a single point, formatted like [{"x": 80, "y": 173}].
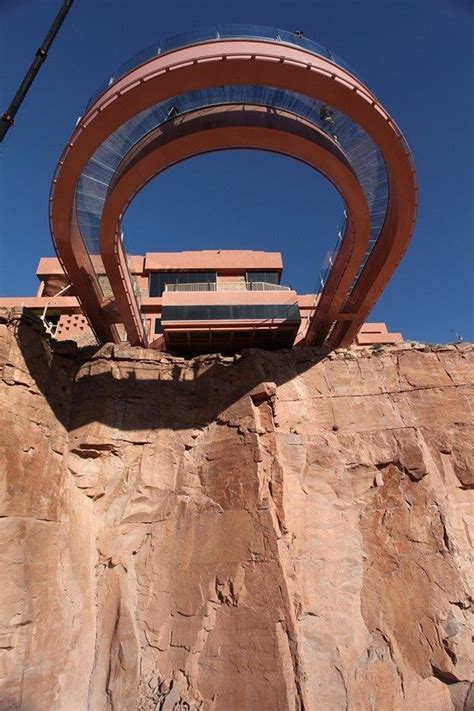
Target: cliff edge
[{"x": 271, "y": 531}]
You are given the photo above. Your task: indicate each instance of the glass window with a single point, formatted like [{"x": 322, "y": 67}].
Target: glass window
[
  {"x": 242, "y": 312},
  {"x": 271, "y": 277},
  {"x": 158, "y": 280}
]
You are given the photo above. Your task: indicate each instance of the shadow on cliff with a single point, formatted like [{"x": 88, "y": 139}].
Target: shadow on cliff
[{"x": 91, "y": 384}]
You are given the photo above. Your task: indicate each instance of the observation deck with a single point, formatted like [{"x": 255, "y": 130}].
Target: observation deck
[{"x": 233, "y": 87}]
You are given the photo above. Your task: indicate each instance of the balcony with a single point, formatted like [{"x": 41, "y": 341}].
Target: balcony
[{"x": 228, "y": 316}]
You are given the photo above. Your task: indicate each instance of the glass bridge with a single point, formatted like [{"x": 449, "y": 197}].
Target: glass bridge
[
  {"x": 182, "y": 84},
  {"x": 363, "y": 154}
]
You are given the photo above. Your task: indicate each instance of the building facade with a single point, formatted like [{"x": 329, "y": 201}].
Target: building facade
[{"x": 196, "y": 302}]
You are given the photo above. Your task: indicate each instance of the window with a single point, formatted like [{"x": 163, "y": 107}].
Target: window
[
  {"x": 158, "y": 328},
  {"x": 268, "y": 277},
  {"x": 232, "y": 312},
  {"x": 158, "y": 280}
]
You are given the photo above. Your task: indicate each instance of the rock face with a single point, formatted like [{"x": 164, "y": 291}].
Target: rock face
[{"x": 286, "y": 530}]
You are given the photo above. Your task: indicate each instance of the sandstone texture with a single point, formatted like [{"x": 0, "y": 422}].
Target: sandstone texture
[{"x": 271, "y": 531}]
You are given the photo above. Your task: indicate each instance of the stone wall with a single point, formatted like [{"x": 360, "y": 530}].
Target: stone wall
[{"x": 272, "y": 531}]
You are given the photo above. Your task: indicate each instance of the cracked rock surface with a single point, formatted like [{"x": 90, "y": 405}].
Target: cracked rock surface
[{"x": 271, "y": 531}]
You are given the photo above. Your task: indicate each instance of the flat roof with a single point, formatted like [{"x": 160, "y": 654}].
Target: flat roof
[
  {"x": 220, "y": 260},
  {"x": 215, "y": 259}
]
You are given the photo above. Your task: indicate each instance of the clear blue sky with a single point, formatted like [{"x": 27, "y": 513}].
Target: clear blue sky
[{"x": 415, "y": 54}]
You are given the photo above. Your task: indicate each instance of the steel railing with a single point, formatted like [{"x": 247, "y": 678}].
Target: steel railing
[{"x": 228, "y": 286}]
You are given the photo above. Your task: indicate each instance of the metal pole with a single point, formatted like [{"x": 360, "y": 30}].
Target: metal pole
[
  {"x": 8, "y": 118},
  {"x": 43, "y": 315}
]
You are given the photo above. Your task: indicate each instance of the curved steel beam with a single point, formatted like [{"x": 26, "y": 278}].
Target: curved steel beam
[
  {"x": 227, "y": 127},
  {"x": 250, "y": 62}
]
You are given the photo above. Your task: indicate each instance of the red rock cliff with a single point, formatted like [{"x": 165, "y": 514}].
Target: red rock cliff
[{"x": 271, "y": 531}]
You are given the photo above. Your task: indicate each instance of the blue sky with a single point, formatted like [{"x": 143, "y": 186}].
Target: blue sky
[{"x": 417, "y": 57}]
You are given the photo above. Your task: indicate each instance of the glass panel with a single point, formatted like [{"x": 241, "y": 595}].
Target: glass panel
[
  {"x": 211, "y": 34},
  {"x": 231, "y": 312},
  {"x": 159, "y": 280},
  {"x": 266, "y": 277},
  {"x": 363, "y": 154}
]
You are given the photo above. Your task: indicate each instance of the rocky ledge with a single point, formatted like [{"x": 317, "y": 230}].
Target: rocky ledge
[{"x": 286, "y": 530}]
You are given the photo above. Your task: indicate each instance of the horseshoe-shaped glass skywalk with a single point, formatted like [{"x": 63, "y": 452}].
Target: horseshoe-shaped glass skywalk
[
  {"x": 234, "y": 87},
  {"x": 361, "y": 151}
]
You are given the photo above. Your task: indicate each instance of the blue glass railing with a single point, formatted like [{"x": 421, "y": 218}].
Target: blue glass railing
[
  {"x": 363, "y": 154},
  {"x": 212, "y": 34},
  {"x": 331, "y": 255}
]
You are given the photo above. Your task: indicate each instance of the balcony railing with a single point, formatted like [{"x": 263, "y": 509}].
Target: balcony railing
[
  {"x": 228, "y": 286},
  {"x": 212, "y": 34}
]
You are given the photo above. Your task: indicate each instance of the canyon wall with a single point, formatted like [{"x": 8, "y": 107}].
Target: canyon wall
[{"x": 270, "y": 531}]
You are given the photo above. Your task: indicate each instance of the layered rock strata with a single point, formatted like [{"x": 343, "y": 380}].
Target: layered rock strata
[{"x": 272, "y": 531}]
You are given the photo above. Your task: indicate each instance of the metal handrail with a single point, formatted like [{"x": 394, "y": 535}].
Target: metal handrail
[
  {"x": 227, "y": 286},
  {"x": 213, "y": 34}
]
